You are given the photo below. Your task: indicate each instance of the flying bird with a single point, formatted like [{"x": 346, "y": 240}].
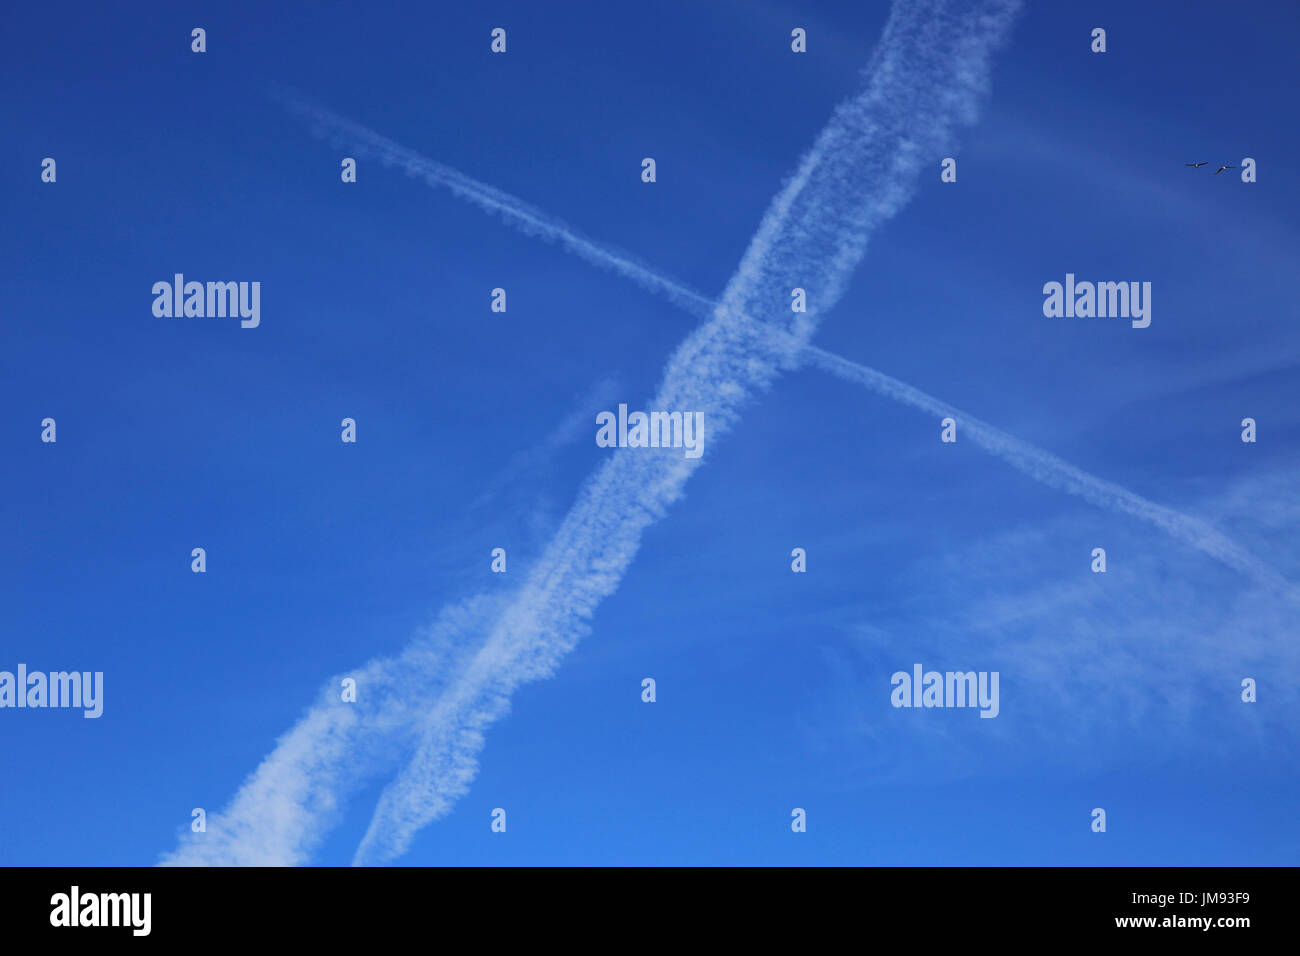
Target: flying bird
[
  {"x": 1222, "y": 168},
  {"x": 1196, "y": 165}
]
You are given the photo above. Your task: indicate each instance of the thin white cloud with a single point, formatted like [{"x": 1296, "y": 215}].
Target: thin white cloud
[
  {"x": 1141, "y": 664},
  {"x": 574, "y": 427},
  {"x": 1156, "y": 648}
]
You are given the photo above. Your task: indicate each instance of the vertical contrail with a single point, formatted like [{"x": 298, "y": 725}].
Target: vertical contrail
[{"x": 925, "y": 77}]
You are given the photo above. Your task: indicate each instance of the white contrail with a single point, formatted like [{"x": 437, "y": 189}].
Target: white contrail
[
  {"x": 926, "y": 75},
  {"x": 1054, "y": 472},
  {"x": 521, "y": 215},
  {"x": 284, "y": 808},
  {"x": 1034, "y": 462}
]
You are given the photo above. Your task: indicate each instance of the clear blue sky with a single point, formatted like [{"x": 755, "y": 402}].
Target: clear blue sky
[{"x": 1118, "y": 691}]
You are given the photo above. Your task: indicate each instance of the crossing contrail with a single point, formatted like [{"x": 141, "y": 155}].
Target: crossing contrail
[
  {"x": 926, "y": 76},
  {"x": 1035, "y": 462}
]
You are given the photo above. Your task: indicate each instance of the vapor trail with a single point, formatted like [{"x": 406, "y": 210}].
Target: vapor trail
[
  {"x": 926, "y": 76},
  {"x": 1036, "y": 463},
  {"x": 528, "y": 219},
  {"x": 1056, "y": 473}
]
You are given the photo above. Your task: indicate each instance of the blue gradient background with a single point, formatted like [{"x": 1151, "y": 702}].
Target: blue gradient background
[{"x": 773, "y": 687}]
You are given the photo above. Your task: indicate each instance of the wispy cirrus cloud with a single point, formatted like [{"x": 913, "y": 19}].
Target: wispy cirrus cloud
[{"x": 1139, "y": 665}]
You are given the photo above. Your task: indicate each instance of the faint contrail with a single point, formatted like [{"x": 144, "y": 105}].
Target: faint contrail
[
  {"x": 925, "y": 76},
  {"x": 528, "y": 219},
  {"x": 1052, "y": 471},
  {"x": 1034, "y": 462}
]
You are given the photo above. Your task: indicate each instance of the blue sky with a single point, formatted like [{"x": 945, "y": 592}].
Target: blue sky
[{"x": 1118, "y": 690}]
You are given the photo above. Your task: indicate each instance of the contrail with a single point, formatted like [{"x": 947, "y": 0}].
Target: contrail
[
  {"x": 926, "y": 76},
  {"x": 521, "y": 215},
  {"x": 1032, "y": 461},
  {"x": 1055, "y": 473}
]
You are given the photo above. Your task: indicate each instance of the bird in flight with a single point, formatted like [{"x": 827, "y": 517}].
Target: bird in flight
[
  {"x": 1196, "y": 165},
  {"x": 1222, "y": 168}
]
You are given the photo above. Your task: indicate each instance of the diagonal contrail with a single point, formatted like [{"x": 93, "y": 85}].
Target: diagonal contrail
[
  {"x": 524, "y": 217},
  {"x": 1056, "y": 473},
  {"x": 1035, "y": 462},
  {"x": 926, "y": 77}
]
